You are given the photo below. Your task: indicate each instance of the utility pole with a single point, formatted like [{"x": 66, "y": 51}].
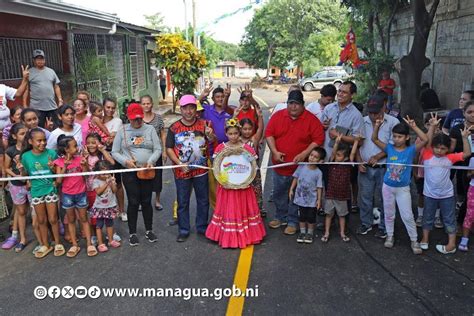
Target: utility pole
[
  {"x": 186, "y": 20},
  {"x": 194, "y": 24}
]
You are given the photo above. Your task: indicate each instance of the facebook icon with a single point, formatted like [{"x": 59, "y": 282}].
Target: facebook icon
[{"x": 54, "y": 292}]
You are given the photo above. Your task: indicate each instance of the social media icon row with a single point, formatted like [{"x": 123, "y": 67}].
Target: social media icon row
[{"x": 67, "y": 292}]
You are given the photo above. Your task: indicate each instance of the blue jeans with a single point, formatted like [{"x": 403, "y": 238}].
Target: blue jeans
[
  {"x": 447, "y": 212},
  {"x": 286, "y": 211},
  {"x": 201, "y": 190},
  {"x": 370, "y": 185}
]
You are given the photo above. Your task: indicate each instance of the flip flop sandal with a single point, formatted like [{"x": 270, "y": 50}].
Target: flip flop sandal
[
  {"x": 43, "y": 252},
  {"x": 73, "y": 251},
  {"x": 345, "y": 239},
  {"x": 59, "y": 250},
  {"x": 325, "y": 238},
  {"x": 442, "y": 249},
  {"x": 91, "y": 251},
  {"x": 20, "y": 247},
  {"x": 159, "y": 207},
  {"x": 463, "y": 247}
]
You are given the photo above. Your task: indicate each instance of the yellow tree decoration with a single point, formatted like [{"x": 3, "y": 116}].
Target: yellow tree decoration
[{"x": 182, "y": 59}]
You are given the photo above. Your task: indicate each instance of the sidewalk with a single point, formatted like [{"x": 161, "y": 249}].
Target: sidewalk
[{"x": 164, "y": 107}]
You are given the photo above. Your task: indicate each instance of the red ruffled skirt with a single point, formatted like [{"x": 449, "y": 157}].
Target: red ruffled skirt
[{"x": 236, "y": 222}]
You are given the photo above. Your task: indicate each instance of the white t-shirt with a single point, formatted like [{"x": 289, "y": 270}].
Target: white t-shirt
[
  {"x": 106, "y": 199},
  {"x": 437, "y": 184},
  {"x": 6, "y": 93},
  {"x": 76, "y": 133},
  {"x": 114, "y": 125},
  {"x": 315, "y": 108}
]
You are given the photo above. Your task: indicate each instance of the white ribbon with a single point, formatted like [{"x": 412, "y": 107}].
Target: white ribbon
[{"x": 286, "y": 164}]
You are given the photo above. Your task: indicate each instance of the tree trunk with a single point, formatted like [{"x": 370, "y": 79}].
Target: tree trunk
[
  {"x": 269, "y": 59},
  {"x": 389, "y": 26},
  {"x": 380, "y": 30},
  {"x": 370, "y": 29},
  {"x": 173, "y": 98},
  {"x": 413, "y": 64}
]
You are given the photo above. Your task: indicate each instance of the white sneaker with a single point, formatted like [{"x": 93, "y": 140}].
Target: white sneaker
[
  {"x": 124, "y": 217},
  {"x": 438, "y": 223},
  {"x": 419, "y": 221},
  {"x": 389, "y": 241},
  {"x": 416, "y": 248}
]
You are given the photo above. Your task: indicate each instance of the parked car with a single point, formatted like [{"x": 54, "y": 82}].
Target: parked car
[{"x": 335, "y": 76}]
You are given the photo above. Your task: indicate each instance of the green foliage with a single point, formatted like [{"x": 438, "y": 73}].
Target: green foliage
[
  {"x": 155, "y": 22},
  {"x": 371, "y": 21},
  {"x": 228, "y": 51},
  {"x": 283, "y": 31},
  {"x": 262, "y": 37},
  {"x": 324, "y": 46},
  {"x": 215, "y": 51},
  {"x": 368, "y": 76},
  {"x": 93, "y": 75},
  {"x": 181, "y": 59},
  {"x": 311, "y": 65}
]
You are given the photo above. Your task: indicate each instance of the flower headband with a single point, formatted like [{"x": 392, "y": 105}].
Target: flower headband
[{"x": 232, "y": 123}]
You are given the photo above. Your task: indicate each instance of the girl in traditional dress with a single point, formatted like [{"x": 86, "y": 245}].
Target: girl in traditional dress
[{"x": 236, "y": 222}]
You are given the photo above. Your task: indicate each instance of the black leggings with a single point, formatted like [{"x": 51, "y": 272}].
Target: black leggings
[
  {"x": 138, "y": 193},
  {"x": 158, "y": 181}
]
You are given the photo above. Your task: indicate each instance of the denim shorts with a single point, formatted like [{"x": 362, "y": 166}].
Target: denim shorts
[{"x": 74, "y": 200}]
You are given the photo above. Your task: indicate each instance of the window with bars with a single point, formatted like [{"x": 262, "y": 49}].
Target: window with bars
[
  {"x": 141, "y": 64},
  {"x": 105, "y": 53},
  {"x": 15, "y": 52},
  {"x": 134, "y": 74}
]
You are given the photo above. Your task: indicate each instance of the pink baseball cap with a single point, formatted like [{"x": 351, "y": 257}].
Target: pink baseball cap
[{"x": 187, "y": 99}]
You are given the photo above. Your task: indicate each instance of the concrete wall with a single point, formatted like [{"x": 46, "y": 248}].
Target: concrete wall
[{"x": 450, "y": 48}]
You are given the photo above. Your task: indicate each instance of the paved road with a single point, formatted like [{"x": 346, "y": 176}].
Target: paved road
[{"x": 361, "y": 277}]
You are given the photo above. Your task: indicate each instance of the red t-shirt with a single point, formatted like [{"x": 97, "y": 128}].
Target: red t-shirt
[
  {"x": 292, "y": 136},
  {"x": 388, "y": 82},
  {"x": 251, "y": 114},
  {"x": 190, "y": 145}
]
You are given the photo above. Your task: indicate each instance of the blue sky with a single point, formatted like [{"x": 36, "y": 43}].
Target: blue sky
[{"x": 229, "y": 29}]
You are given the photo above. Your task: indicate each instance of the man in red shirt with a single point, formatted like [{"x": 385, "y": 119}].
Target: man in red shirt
[
  {"x": 387, "y": 84},
  {"x": 290, "y": 135}
]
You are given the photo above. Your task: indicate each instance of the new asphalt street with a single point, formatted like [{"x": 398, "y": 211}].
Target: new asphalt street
[{"x": 357, "y": 278}]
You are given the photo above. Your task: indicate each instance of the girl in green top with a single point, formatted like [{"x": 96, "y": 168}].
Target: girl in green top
[{"x": 36, "y": 160}]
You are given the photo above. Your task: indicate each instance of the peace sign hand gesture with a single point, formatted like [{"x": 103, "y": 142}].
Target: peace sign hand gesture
[
  {"x": 227, "y": 90},
  {"x": 49, "y": 124},
  {"x": 25, "y": 72},
  {"x": 434, "y": 120},
  {"x": 410, "y": 121},
  {"x": 207, "y": 90},
  {"x": 466, "y": 131}
]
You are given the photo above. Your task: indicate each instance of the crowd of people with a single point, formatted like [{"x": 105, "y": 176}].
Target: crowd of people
[{"x": 343, "y": 161}]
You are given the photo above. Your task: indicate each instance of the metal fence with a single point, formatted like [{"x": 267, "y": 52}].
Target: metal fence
[
  {"x": 15, "y": 52},
  {"x": 106, "y": 49}
]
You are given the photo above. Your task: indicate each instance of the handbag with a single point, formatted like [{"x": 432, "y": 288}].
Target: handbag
[{"x": 147, "y": 174}]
